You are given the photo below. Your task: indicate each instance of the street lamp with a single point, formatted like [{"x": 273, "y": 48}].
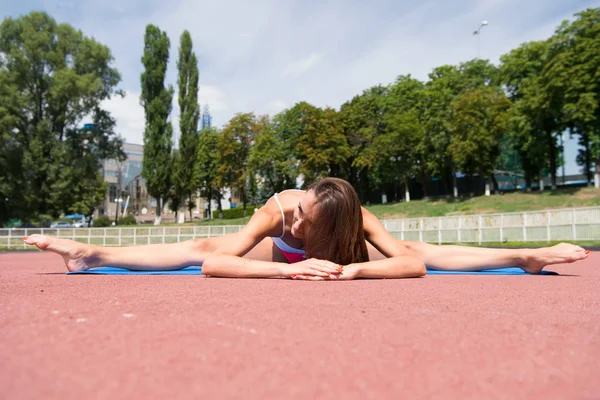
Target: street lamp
[
  {"x": 478, "y": 34},
  {"x": 118, "y": 201}
]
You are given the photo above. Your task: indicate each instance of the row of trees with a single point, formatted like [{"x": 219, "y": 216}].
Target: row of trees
[{"x": 463, "y": 118}]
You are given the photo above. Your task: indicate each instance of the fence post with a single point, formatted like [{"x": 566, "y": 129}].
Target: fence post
[
  {"x": 9, "y": 237},
  {"x": 402, "y": 229},
  {"x": 89, "y": 235},
  {"x": 548, "y": 226},
  {"x": 120, "y": 244},
  {"x": 573, "y": 227},
  {"x": 501, "y": 228},
  {"x": 480, "y": 229},
  {"x": 178, "y": 234},
  {"x": 459, "y": 228},
  {"x": 439, "y": 230},
  {"x": 421, "y": 230},
  {"x": 135, "y": 236},
  {"x": 525, "y": 226},
  {"x": 163, "y": 235},
  {"x": 104, "y": 237}
]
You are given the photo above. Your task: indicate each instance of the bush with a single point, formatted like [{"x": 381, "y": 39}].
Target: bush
[
  {"x": 102, "y": 221},
  {"x": 42, "y": 220},
  {"x": 233, "y": 213},
  {"x": 128, "y": 220}
]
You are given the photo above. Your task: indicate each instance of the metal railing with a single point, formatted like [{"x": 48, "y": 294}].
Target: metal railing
[{"x": 574, "y": 224}]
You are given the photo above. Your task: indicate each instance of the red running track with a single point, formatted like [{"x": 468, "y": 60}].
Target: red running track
[{"x": 452, "y": 337}]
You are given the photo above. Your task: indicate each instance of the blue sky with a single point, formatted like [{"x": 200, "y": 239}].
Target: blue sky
[{"x": 264, "y": 56}]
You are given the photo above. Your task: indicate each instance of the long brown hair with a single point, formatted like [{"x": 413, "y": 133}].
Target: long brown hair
[{"x": 337, "y": 232}]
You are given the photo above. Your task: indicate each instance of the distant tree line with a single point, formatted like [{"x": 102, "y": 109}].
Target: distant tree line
[{"x": 465, "y": 118}]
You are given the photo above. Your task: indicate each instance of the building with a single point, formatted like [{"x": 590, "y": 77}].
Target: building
[
  {"x": 206, "y": 120},
  {"x": 126, "y": 186}
]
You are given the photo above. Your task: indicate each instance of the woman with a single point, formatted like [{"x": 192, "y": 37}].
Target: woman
[{"x": 319, "y": 234}]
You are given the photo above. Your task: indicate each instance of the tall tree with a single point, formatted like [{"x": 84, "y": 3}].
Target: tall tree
[
  {"x": 322, "y": 146},
  {"x": 52, "y": 79},
  {"x": 206, "y": 168},
  {"x": 362, "y": 122},
  {"x": 401, "y": 148},
  {"x": 234, "y": 149},
  {"x": 187, "y": 66},
  {"x": 269, "y": 160},
  {"x": 157, "y": 103},
  {"x": 478, "y": 122},
  {"x": 537, "y": 110},
  {"x": 572, "y": 76}
]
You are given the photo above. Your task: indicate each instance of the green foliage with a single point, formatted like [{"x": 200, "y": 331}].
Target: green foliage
[
  {"x": 234, "y": 150},
  {"x": 183, "y": 171},
  {"x": 102, "y": 222},
  {"x": 156, "y": 100},
  {"x": 52, "y": 80},
  {"x": 478, "y": 121},
  {"x": 127, "y": 220},
  {"x": 269, "y": 159},
  {"x": 573, "y": 79},
  {"x": 237, "y": 212},
  {"x": 207, "y": 164}
]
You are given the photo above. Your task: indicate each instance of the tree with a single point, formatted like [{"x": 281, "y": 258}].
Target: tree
[
  {"x": 401, "y": 148},
  {"x": 156, "y": 100},
  {"x": 207, "y": 167},
  {"x": 445, "y": 84},
  {"x": 234, "y": 149},
  {"x": 322, "y": 146},
  {"x": 269, "y": 160},
  {"x": 363, "y": 120},
  {"x": 52, "y": 78},
  {"x": 536, "y": 115},
  {"x": 572, "y": 76},
  {"x": 187, "y": 66},
  {"x": 478, "y": 122}
]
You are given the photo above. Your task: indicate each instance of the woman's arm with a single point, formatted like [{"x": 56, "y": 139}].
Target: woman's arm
[
  {"x": 225, "y": 265},
  {"x": 380, "y": 238},
  {"x": 389, "y": 268}
]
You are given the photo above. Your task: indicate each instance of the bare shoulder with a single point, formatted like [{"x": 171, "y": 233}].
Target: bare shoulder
[{"x": 267, "y": 220}]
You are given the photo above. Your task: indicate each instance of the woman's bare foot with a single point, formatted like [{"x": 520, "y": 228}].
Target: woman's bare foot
[
  {"x": 536, "y": 259},
  {"x": 77, "y": 256}
]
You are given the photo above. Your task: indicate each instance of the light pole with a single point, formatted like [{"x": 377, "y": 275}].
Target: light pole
[{"x": 478, "y": 34}]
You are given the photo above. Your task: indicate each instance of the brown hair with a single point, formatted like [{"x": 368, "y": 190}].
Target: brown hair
[{"x": 337, "y": 233}]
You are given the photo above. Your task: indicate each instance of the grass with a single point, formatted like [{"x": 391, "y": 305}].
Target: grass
[{"x": 509, "y": 202}]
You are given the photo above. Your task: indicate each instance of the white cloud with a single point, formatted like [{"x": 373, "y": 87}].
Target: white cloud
[
  {"x": 299, "y": 67},
  {"x": 276, "y": 106},
  {"x": 129, "y": 115},
  {"x": 215, "y": 97}
]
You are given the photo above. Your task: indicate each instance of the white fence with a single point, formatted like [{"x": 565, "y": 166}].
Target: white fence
[{"x": 575, "y": 224}]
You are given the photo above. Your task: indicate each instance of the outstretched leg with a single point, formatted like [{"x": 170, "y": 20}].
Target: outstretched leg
[
  {"x": 80, "y": 256},
  {"x": 463, "y": 258}
]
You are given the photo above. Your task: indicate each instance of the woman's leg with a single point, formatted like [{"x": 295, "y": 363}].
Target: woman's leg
[
  {"x": 80, "y": 256},
  {"x": 463, "y": 258}
]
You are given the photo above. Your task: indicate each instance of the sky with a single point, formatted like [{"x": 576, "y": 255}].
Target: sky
[{"x": 266, "y": 55}]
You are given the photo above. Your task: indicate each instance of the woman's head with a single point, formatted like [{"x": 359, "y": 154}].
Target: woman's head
[{"x": 329, "y": 219}]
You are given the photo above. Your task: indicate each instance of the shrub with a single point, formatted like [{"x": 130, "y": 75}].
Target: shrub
[
  {"x": 233, "y": 213},
  {"x": 102, "y": 221},
  {"x": 127, "y": 220}
]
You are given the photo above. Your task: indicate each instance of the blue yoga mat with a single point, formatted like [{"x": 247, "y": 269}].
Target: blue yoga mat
[{"x": 198, "y": 271}]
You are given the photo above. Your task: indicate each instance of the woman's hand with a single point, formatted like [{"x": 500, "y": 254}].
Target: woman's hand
[
  {"x": 312, "y": 268},
  {"x": 345, "y": 273}
]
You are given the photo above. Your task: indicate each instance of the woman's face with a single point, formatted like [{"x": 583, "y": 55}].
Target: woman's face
[{"x": 303, "y": 215}]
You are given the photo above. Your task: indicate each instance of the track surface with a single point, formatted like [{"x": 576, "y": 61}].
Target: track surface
[{"x": 451, "y": 337}]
